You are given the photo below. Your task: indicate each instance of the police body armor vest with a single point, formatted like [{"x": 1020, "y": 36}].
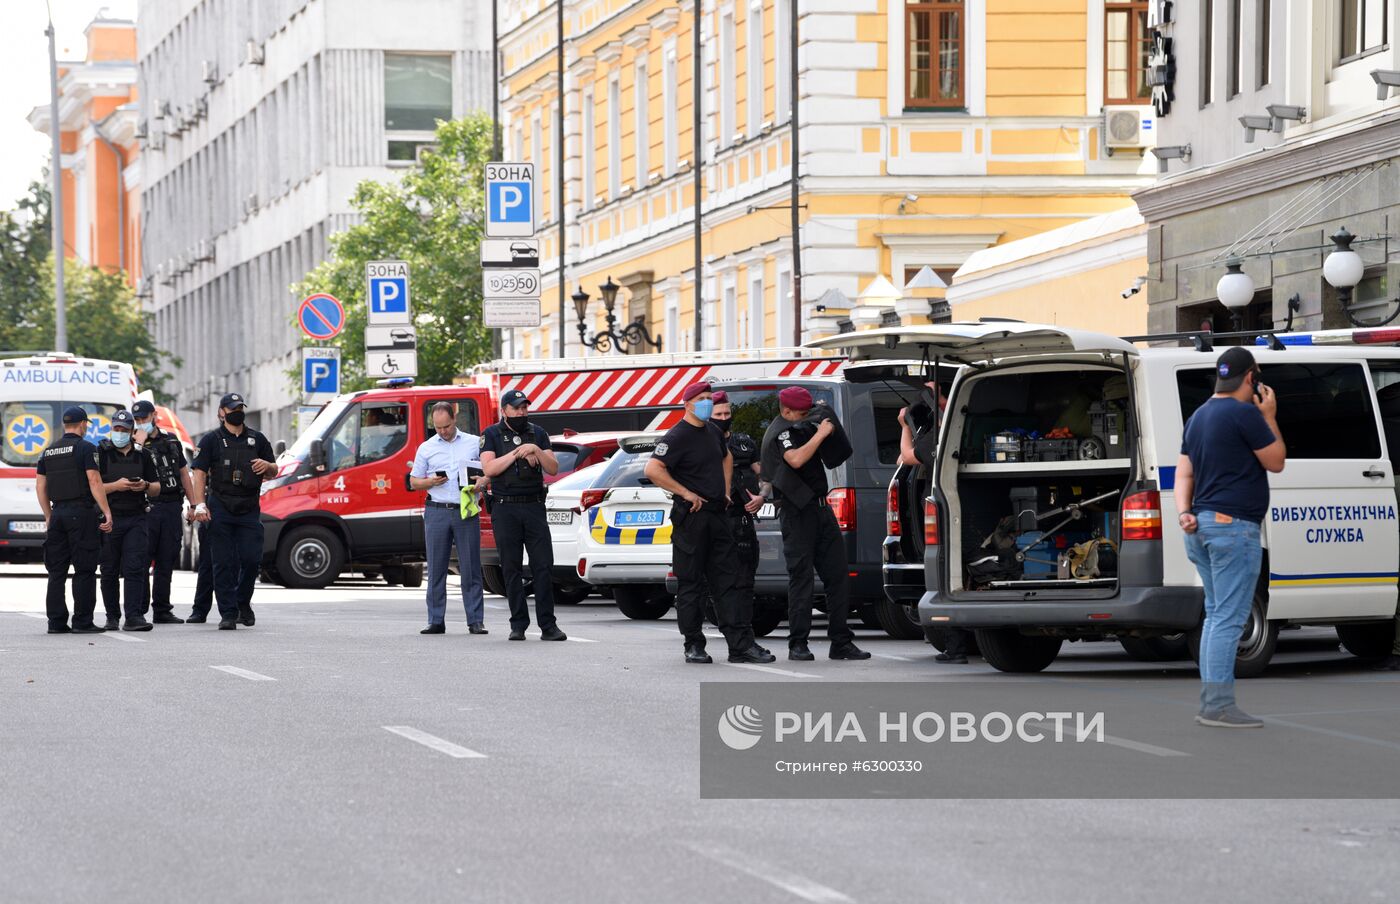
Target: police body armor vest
[
  {"x": 744, "y": 480},
  {"x": 166, "y": 453},
  {"x": 233, "y": 477},
  {"x": 64, "y": 476},
  {"x": 116, "y": 466}
]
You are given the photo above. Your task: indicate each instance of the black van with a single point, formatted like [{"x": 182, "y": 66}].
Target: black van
[{"x": 869, "y": 411}]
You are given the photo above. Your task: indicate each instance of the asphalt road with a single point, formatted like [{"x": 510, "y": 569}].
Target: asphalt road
[{"x": 333, "y": 753}]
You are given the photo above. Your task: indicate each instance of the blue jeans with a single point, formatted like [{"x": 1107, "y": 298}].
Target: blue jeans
[
  {"x": 1228, "y": 556},
  {"x": 441, "y": 528}
]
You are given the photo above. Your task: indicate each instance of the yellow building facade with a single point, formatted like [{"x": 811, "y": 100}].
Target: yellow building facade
[{"x": 928, "y": 131}]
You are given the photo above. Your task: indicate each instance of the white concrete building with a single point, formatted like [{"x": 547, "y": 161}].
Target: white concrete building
[{"x": 261, "y": 117}]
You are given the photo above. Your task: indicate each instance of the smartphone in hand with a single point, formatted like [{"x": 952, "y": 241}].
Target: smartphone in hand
[{"x": 440, "y": 473}]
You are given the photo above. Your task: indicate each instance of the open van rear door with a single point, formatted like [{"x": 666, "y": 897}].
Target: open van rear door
[{"x": 972, "y": 343}]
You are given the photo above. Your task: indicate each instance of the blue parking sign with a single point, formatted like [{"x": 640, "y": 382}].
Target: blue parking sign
[
  {"x": 510, "y": 194},
  {"x": 387, "y": 293},
  {"x": 320, "y": 371},
  {"x": 510, "y": 202}
]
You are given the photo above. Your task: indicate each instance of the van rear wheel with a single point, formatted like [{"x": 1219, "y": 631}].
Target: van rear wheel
[
  {"x": 898, "y": 620},
  {"x": 310, "y": 557},
  {"x": 1257, "y": 641},
  {"x": 1008, "y": 650},
  {"x": 494, "y": 581},
  {"x": 1368, "y": 640}
]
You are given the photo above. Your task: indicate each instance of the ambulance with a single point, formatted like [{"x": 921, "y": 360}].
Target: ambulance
[
  {"x": 33, "y": 393},
  {"x": 1059, "y": 442}
]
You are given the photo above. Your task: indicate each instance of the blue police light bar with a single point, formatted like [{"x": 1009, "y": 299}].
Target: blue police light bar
[
  {"x": 394, "y": 383},
  {"x": 1389, "y": 336}
]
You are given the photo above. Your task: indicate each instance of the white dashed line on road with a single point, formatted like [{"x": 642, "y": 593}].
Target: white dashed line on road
[
  {"x": 1126, "y": 744},
  {"x": 891, "y": 656},
  {"x": 794, "y": 884},
  {"x": 770, "y": 670},
  {"x": 33, "y": 615},
  {"x": 126, "y": 637},
  {"x": 434, "y": 742},
  {"x": 242, "y": 673},
  {"x": 535, "y": 635}
]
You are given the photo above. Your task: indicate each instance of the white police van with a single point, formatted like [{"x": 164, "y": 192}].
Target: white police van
[{"x": 1058, "y": 443}]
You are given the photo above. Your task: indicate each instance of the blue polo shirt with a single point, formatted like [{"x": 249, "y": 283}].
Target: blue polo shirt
[
  {"x": 436, "y": 454},
  {"x": 1221, "y": 439}
]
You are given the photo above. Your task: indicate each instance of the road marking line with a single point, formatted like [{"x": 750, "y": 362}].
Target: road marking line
[
  {"x": 891, "y": 656},
  {"x": 770, "y": 670},
  {"x": 792, "y": 883},
  {"x": 571, "y": 639},
  {"x": 242, "y": 673},
  {"x": 115, "y": 636},
  {"x": 496, "y": 606},
  {"x": 1346, "y": 735},
  {"x": 34, "y": 615},
  {"x": 435, "y": 742},
  {"x": 1126, "y": 744}
]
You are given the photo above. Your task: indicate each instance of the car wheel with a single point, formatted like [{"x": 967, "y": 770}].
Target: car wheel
[
  {"x": 766, "y": 620},
  {"x": 570, "y": 596},
  {"x": 310, "y": 557},
  {"x": 492, "y": 579},
  {"x": 392, "y": 574},
  {"x": 642, "y": 602},
  {"x": 1008, "y": 650},
  {"x": 413, "y": 575},
  {"x": 1167, "y": 648},
  {"x": 868, "y": 616},
  {"x": 1368, "y": 640},
  {"x": 1257, "y": 641},
  {"x": 898, "y": 620}
]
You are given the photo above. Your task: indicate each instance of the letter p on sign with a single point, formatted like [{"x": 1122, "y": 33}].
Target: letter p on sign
[{"x": 510, "y": 200}]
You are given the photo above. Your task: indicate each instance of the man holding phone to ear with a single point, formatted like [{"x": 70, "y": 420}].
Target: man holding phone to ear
[{"x": 443, "y": 465}]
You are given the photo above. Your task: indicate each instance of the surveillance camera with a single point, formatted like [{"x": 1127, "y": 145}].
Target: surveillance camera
[{"x": 1135, "y": 288}]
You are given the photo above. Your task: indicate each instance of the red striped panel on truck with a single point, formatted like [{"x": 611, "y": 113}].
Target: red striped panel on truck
[{"x": 646, "y": 387}]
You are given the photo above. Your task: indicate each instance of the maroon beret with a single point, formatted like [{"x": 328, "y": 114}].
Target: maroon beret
[
  {"x": 719, "y": 396},
  {"x": 694, "y": 389},
  {"x": 796, "y": 398}
]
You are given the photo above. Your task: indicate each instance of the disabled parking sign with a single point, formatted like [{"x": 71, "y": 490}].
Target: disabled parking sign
[
  {"x": 386, "y": 293},
  {"x": 510, "y": 200}
]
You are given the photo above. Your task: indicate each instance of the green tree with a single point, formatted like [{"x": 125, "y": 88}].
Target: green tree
[
  {"x": 432, "y": 219},
  {"x": 26, "y": 238}
]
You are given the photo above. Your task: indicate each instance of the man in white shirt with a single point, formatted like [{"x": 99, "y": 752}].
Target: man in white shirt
[{"x": 440, "y": 467}]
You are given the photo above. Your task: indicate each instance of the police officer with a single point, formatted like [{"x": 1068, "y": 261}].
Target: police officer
[
  {"x": 693, "y": 463},
  {"x": 515, "y": 455},
  {"x": 204, "y": 582},
  {"x": 746, "y": 496},
  {"x": 164, "y": 524},
  {"x": 71, "y": 496},
  {"x": 811, "y": 537},
  {"x": 129, "y": 476},
  {"x": 232, "y": 462}
]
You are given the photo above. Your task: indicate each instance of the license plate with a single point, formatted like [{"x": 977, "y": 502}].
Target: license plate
[
  {"x": 638, "y": 519},
  {"x": 27, "y": 527},
  {"x": 559, "y": 517},
  {"x": 769, "y": 510}
]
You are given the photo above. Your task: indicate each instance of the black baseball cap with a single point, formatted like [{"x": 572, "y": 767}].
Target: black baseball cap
[
  {"x": 1231, "y": 367},
  {"x": 514, "y": 398},
  {"x": 231, "y": 400},
  {"x": 143, "y": 408},
  {"x": 74, "y": 415},
  {"x": 123, "y": 419}
]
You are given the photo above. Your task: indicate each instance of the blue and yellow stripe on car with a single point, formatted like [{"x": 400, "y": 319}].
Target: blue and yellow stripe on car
[
  {"x": 627, "y": 536},
  {"x": 1343, "y": 579}
]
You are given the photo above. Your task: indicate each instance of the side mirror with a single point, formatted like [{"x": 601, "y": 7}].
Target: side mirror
[{"x": 316, "y": 455}]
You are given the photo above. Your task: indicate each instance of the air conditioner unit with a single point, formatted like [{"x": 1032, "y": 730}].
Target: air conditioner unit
[
  {"x": 1128, "y": 127},
  {"x": 253, "y": 53},
  {"x": 209, "y": 71}
]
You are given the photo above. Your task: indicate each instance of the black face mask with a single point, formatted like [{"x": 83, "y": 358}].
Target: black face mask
[
  {"x": 518, "y": 424},
  {"x": 235, "y": 417},
  {"x": 722, "y": 423}
]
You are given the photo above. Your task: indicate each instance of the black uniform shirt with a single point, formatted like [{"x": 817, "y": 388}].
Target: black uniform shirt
[
  {"x": 211, "y": 445},
  {"x": 126, "y": 502},
  {"x": 168, "y": 453},
  {"x": 812, "y": 473},
  {"x": 745, "y": 451},
  {"x": 694, "y": 456},
  {"x": 520, "y": 479},
  {"x": 84, "y": 453}
]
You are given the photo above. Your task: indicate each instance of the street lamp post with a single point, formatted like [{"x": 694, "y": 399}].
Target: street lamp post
[
  {"x": 60, "y": 307},
  {"x": 1235, "y": 291},
  {"x": 633, "y": 334}
]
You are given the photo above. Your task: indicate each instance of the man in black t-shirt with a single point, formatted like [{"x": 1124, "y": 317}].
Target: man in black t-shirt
[
  {"x": 130, "y": 478},
  {"x": 693, "y": 463},
  {"x": 70, "y": 493},
  {"x": 812, "y": 540},
  {"x": 515, "y": 455}
]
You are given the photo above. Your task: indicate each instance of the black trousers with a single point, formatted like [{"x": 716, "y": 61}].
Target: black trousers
[
  {"x": 72, "y": 540},
  {"x": 164, "y": 536},
  {"x": 124, "y": 563},
  {"x": 704, "y": 559},
  {"x": 521, "y": 526},
  {"x": 812, "y": 543},
  {"x": 204, "y": 584},
  {"x": 236, "y": 542}
]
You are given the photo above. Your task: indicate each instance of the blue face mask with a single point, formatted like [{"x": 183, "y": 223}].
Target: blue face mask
[
  {"x": 704, "y": 408},
  {"x": 147, "y": 428},
  {"x": 120, "y": 438}
]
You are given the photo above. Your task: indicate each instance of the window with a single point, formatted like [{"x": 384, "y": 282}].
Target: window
[
  {"x": 1263, "y": 28},
  {"x": 590, "y": 140},
  {"x": 641, "y": 103},
  {"x": 671, "y": 137},
  {"x": 417, "y": 93},
  {"x": 1363, "y": 27},
  {"x": 537, "y": 154},
  {"x": 885, "y": 406},
  {"x": 755, "y": 408},
  {"x": 614, "y": 139},
  {"x": 784, "y": 304},
  {"x": 727, "y": 102},
  {"x": 1207, "y": 51},
  {"x": 30, "y": 427},
  {"x": 731, "y": 317},
  {"x": 1127, "y": 47},
  {"x": 753, "y": 66},
  {"x": 555, "y": 166},
  {"x": 933, "y": 54},
  {"x": 466, "y": 415},
  {"x": 1233, "y": 75},
  {"x": 1324, "y": 410},
  {"x": 567, "y": 454},
  {"x": 367, "y": 433},
  {"x": 1371, "y": 300},
  {"x": 782, "y": 61},
  {"x": 756, "y": 308}
]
